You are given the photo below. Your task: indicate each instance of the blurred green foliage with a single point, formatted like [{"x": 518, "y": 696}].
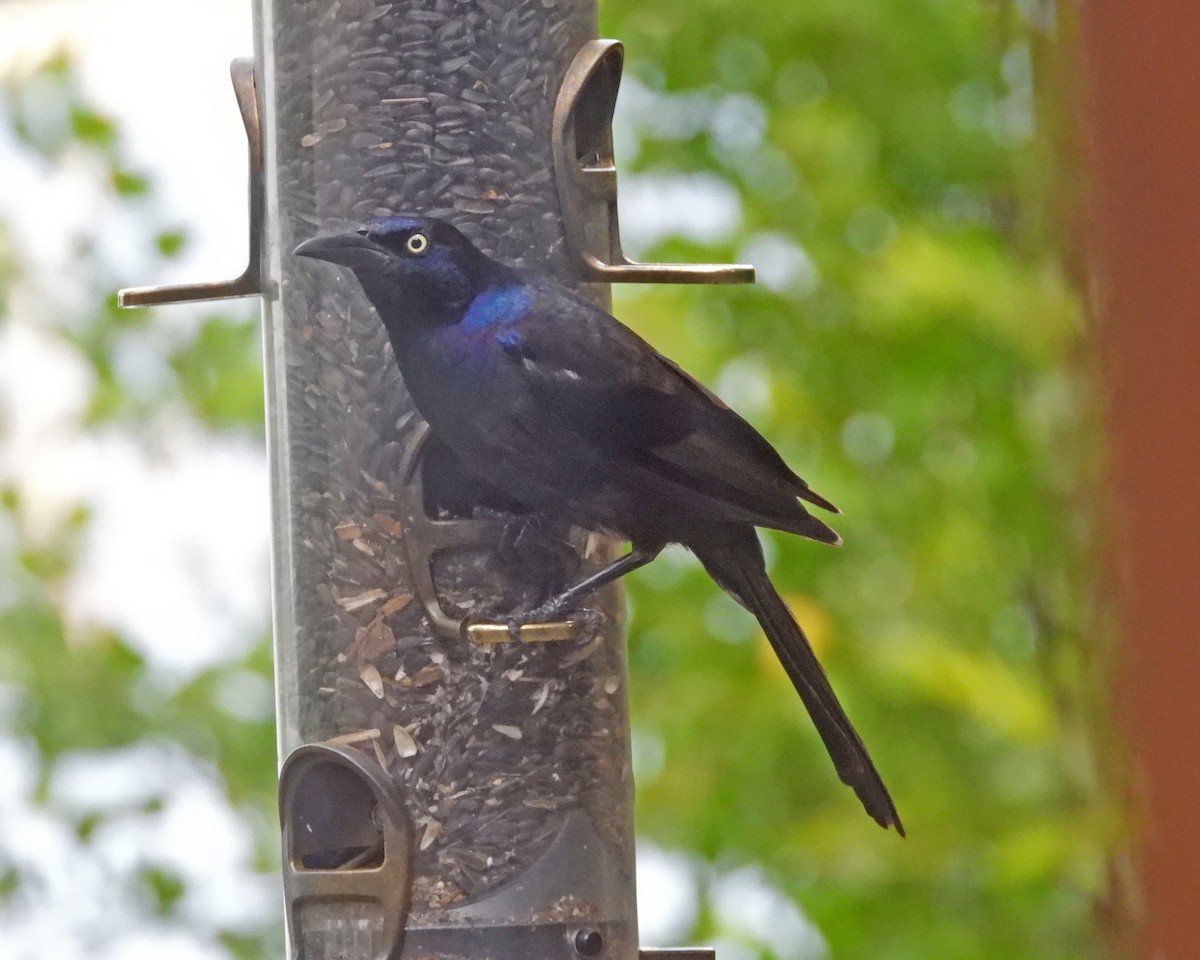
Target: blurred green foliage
[
  {"x": 915, "y": 354},
  {"x": 920, "y": 366}
]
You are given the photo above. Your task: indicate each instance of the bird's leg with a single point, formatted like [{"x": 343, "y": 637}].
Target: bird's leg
[
  {"x": 552, "y": 609},
  {"x": 512, "y": 530}
]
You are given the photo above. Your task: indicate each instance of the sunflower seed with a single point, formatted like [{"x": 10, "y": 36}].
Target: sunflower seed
[{"x": 406, "y": 744}]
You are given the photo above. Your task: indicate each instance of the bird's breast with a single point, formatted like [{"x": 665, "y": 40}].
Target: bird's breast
[
  {"x": 478, "y": 403},
  {"x": 460, "y": 384}
]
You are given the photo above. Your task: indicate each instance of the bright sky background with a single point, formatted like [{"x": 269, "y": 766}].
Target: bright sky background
[
  {"x": 187, "y": 586},
  {"x": 161, "y": 68}
]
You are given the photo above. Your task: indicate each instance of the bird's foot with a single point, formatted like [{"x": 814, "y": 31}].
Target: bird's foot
[{"x": 552, "y": 611}]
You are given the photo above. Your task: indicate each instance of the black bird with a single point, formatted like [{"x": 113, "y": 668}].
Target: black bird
[{"x": 569, "y": 412}]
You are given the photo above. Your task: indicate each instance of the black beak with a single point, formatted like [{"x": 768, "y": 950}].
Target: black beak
[{"x": 348, "y": 249}]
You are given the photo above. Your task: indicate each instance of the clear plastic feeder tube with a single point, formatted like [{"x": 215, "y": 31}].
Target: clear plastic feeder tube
[{"x": 511, "y": 758}]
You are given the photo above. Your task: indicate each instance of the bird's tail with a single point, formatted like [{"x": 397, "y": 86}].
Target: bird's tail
[{"x": 736, "y": 563}]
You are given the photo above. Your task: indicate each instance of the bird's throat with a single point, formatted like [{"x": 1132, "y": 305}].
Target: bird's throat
[{"x": 407, "y": 310}]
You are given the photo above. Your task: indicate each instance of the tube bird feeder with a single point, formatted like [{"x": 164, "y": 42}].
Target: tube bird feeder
[{"x": 449, "y": 787}]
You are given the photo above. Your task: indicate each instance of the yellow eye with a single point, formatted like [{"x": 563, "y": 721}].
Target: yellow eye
[{"x": 417, "y": 244}]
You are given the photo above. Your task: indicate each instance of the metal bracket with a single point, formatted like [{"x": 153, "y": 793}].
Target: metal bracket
[
  {"x": 249, "y": 284},
  {"x": 586, "y": 175},
  {"x": 346, "y": 839},
  {"x": 424, "y": 537}
]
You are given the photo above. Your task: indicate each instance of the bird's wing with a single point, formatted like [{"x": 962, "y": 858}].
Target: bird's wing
[{"x": 595, "y": 382}]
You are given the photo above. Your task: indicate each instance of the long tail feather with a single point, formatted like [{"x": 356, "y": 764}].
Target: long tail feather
[{"x": 737, "y": 565}]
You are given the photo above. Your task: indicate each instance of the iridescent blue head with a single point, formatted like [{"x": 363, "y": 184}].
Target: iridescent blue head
[{"x": 417, "y": 271}]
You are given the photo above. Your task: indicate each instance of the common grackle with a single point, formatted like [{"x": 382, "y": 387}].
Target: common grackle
[{"x": 569, "y": 412}]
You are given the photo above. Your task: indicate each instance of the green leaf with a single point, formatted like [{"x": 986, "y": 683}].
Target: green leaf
[
  {"x": 220, "y": 373},
  {"x": 129, "y": 184},
  {"x": 165, "y": 889},
  {"x": 170, "y": 243},
  {"x": 92, "y": 128}
]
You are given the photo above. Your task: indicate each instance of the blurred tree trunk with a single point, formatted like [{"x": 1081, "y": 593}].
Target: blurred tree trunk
[{"x": 1144, "y": 81}]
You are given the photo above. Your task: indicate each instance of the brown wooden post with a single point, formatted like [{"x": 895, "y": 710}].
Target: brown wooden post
[{"x": 1143, "y": 83}]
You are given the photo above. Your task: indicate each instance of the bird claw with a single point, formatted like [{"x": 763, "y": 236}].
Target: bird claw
[
  {"x": 589, "y": 621},
  {"x": 552, "y": 612},
  {"x": 514, "y": 629},
  {"x": 546, "y": 613}
]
